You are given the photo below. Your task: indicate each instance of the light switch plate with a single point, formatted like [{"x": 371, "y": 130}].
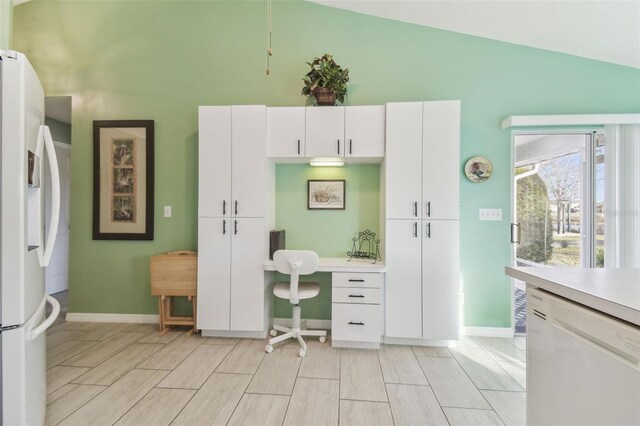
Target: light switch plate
[
  {"x": 490, "y": 214},
  {"x": 167, "y": 211}
]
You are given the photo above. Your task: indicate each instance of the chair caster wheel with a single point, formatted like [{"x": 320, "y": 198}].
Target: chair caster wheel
[
  {"x": 302, "y": 353},
  {"x": 268, "y": 349},
  {"x": 322, "y": 339},
  {"x": 273, "y": 333}
]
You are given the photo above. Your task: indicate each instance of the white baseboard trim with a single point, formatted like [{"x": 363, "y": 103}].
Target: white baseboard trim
[
  {"x": 128, "y": 318},
  {"x": 311, "y": 323},
  {"x": 487, "y": 331}
]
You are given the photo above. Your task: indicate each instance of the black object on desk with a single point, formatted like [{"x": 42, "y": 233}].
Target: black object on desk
[{"x": 276, "y": 241}]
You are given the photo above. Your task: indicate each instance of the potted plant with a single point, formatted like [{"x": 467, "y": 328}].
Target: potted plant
[{"x": 326, "y": 81}]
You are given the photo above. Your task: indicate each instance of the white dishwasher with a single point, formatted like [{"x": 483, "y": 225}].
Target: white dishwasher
[{"x": 583, "y": 366}]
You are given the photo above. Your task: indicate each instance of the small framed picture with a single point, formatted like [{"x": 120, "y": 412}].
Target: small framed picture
[
  {"x": 326, "y": 194},
  {"x": 123, "y": 180}
]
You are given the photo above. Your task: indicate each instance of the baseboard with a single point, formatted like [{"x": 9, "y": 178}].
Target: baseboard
[
  {"x": 417, "y": 342},
  {"x": 487, "y": 331},
  {"x": 311, "y": 323},
  {"x": 128, "y": 318},
  {"x": 236, "y": 334}
]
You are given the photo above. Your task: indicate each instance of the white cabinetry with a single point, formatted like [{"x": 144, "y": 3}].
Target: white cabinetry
[
  {"x": 234, "y": 183},
  {"x": 356, "y": 311},
  {"x": 422, "y": 168},
  {"x": 285, "y": 132},
  {"x": 364, "y": 131},
  {"x": 325, "y": 132}
]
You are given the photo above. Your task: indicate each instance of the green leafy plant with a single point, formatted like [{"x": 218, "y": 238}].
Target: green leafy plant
[{"x": 325, "y": 73}]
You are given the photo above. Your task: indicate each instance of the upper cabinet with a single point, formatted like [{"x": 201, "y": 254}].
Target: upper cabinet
[
  {"x": 286, "y": 132},
  {"x": 232, "y": 161},
  {"x": 441, "y": 160},
  {"x": 325, "y": 132},
  {"x": 364, "y": 131}
]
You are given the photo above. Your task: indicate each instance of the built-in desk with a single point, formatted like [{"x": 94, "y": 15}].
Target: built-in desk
[{"x": 357, "y": 295}]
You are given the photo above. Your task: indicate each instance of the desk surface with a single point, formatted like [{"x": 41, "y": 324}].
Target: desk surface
[{"x": 341, "y": 264}]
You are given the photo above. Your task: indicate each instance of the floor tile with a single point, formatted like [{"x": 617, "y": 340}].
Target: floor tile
[
  {"x": 141, "y": 328},
  {"x": 364, "y": 413},
  {"x": 57, "y": 338},
  {"x": 500, "y": 349},
  {"x": 414, "y": 405},
  {"x": 172, "y": 354},
  {"x": 158, "y": 408},
  {"x": 256, "y": 410},
  {"x": 483, "y": 370},
  {"x": 103, "y": 350},
  {"x": 68, "y": 399},
  {"x": 360, "y": 376},
  {"x": 314, "y": 402},
  {"x": 431, "y": 351},
  {"x": 196, "y": 368},
  {"x": 519, "y": 342},
  {"x": 321, "y": 361},
  {"x": 245, "y": 358},
  {"x": 277, "y": 373},
  {"x": 60, "y": 375},
  {"x": 76, "y": 325},
  {"x": 220, "y": 340},
  {"x": 101, "y": 332},
  {"x": 67, "y": 350},
  {"x": 517, "y": 370},
  {"x": 117, "y": 399},
  {"x": 118, "y": 365},
  {"x": 164, "y": 339},
  {"x": 399, "y": 365},
  {"x": 472, "y": 417},
  {"x": 509, "y": 406},
  {"x": 450, "y": 383},
  {"x": 215, "y": 402}
]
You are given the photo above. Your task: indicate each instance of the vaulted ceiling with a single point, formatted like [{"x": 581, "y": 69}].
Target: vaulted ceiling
[{"x": 606, "y": 30}]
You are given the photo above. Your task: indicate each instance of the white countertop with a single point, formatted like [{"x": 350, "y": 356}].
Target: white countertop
[
  {"x": 613, "y": 291},
  {"x": 341, "y": 264}
]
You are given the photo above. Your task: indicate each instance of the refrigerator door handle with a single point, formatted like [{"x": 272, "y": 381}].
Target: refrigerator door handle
[
  {"x": 55, "y": 197},
  {"x": 35, "y": 332}
]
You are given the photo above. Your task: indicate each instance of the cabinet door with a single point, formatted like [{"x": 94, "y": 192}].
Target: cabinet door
[
  {"x": 214, "y": 273},
  {"x": 364, "y": 131},
  {"x": 249, "y": 163},
  {"x": 324, "y": 132},
  {"x": 285, "y": 132},
  {"x": 441, "y": 160},
  {"x": 403, "y": 162},
  {"x": 404, "y": 284},
  {"x": 214, "y": 161},
  {"x": 248, "y": 254},
  {"x": 440, "y": 279}
]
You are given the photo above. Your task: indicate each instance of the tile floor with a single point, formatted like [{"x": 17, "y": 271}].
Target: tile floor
[{"x": 126, "y": 374}]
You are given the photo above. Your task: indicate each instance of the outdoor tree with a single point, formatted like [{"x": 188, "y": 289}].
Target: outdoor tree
[
  {"x": 534, "y": 217},
  {"x": 562, "y": 178}
]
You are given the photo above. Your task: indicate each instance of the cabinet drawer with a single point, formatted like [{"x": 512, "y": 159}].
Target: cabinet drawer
[
  {"x": 357, "y": 279},
  {"x": 360, "y": 323},
  {"x": 357, "y": 295}
]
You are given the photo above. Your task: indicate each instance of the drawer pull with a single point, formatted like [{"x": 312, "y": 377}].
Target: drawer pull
[
  {"x": 356, "y": 295},
  {"x": 355, "y": 323},
  {"x": 356, "y": 281}
]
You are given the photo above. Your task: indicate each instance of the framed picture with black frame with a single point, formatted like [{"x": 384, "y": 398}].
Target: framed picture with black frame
[
  {"x": 326, "y": 194},
  {"x": 123, "y": 180}
]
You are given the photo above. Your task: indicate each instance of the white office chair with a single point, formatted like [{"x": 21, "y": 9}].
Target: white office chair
[{"x": 295, "y": 263}]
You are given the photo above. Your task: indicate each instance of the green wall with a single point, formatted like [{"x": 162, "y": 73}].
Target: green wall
[
  {"x": 6, "y": 19},
  {"x": 160, "y": 60}
]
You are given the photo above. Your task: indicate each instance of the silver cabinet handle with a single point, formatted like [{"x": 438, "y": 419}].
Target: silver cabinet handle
[
  {"x": 236, "y": 209},
  {"x": 235, "y": 227},
  {"x": 415, "y": 208},
  {"x": 415, "y": 229},
  {"x": 350, "y": 147},
  {"x": 338, "y": 146},
  {"x": 356, "y": 295},
  {"x": 224, "y": 207},
  {"x": 428, "y": 208},
  {"x": 355, "y": 323},
  {"x": 224, "y": 227},
  {"x": 429, "y": 230},
  {"x": 298, "y": 146}
]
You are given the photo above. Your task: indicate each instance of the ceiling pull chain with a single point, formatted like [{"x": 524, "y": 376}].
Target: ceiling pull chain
[{"x": 269, "y": 50}]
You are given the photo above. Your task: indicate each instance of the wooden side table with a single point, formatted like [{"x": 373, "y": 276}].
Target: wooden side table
[{"x": 174, "y": 274}]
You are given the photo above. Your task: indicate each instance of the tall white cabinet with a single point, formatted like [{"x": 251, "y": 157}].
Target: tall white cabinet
[
  {"x": 422, "y": 202},
  {"x": 234, "y": 192}
]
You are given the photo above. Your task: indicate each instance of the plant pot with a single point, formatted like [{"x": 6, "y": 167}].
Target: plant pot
[{"x": 324, "y": 96}]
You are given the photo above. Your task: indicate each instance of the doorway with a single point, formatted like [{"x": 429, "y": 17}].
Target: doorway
[
  {"x": 558, "y": 205},
  {"x": 58, "y": 118}
]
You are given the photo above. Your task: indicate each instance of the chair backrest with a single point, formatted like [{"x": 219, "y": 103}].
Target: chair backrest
[{"x": 295, "y": 263}]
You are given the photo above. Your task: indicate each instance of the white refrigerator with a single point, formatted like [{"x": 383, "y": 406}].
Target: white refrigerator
[{"x": 25, "y": 250}]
